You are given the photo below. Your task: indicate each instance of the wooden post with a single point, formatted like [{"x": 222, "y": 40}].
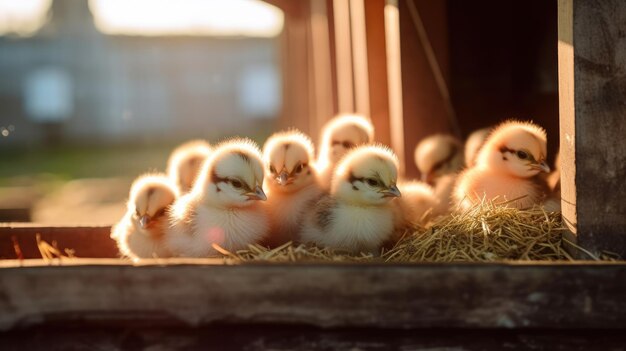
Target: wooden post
[
  {"x": 377, "y": 69},
  {"x": 592, "y": 93},
  {"x": 417, "y": 61}
]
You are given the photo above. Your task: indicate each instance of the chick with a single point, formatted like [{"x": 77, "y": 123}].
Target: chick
[
  {"x": 292, "y": 184},
  {"x": 339, "y": 135},
  {"x": 507, "y": 168},
  {"x": 417, "y": 206},
  {"x": 438, "y": 155},
  {"x": 439, "y": 158},
  {"x": 357, "y": 215},
  {"x": 474, "y": 142},
  {"x": 185, "y": 162},
  {"x": 223, "y": 207},
  {"x": 139, "y": 234}
]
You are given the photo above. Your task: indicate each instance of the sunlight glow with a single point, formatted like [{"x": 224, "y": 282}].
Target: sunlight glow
[
  {"x": 23, "y": 17},
  {"x": 250, "y": 18}
]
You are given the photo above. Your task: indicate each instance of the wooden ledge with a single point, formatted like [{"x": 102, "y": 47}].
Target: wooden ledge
[{"x": 201, "y": 292}]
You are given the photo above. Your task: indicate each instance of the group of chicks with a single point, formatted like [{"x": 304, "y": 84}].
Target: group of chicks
[{"x": 349, "y": 197}]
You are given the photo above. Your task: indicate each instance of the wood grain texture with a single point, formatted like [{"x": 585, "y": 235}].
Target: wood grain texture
[
  {"x": 201, "y": 292},
  {"x": 592, "y": 89}
]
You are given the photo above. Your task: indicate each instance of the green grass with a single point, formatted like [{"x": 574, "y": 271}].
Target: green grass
[
  {"x": 23, "y": 166},
  {"x": 70, "y": 162}
]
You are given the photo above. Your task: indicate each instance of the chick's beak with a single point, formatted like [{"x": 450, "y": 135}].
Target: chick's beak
[
  {"x": 393, "y": 191},
  {"x": 257, "y": 194},
  {"x": 144, "y": 221},
  {"x": 542, "y": 166},
  {"x": 283, "y": 178}
]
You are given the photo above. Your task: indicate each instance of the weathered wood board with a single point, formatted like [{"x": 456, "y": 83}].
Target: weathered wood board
[
  {"x": 592, "y": 94},
  {"x": 196, "y": 292}
]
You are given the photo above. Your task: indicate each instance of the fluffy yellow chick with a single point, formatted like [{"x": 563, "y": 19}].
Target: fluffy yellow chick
[
  {"x": 139, "y": 234},
  {"x": 340, "y": 135},
  {"x": 507, "y": 168},
  {"x": 474, "y": 142},
  {"x": 291, "y": 183},
  {"x": 185, "y": 162},
  {"x": 223, "y": 207},
  {"x": 439, "y": 158},
  {"x": 357, "y": 215}
]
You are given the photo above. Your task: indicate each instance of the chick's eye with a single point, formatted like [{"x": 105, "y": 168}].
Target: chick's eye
[
  {"x": 272, "y": 169},
  {"x": 299, "y": 168},
  {"x": 372, "y": 182},
  {"x": 236, "y": 184},
  {"x": 348, "y": 144},
  {"x": 522, "y": 155}
]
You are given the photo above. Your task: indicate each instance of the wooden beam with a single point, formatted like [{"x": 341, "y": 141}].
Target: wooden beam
[
  {"x": 394, "y": 80},
  {"x": 343, "y": 54},
  {"x": 426, "y": 107},
  {"x": 359, "y": 57},
  {"x": 592, "y": 86},
  {"x": 377, "y": 69},
  {"x": 322, "y": 67},
  {"x": 201, "y": 292}
]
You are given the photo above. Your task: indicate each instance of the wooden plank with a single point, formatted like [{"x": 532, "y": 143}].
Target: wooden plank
[
  {"x": 592, "y": 84},
  {"x": 425, "y": 109},
  {"x": 343, "y": 55},
  {"x": 297, "y": 338},
  {"x": 91, "y": 241},
  {"x": 359, "y": 57},
  {"x": 377, "y": 69},
  {"x": 325, "y": 295},
  {"x": 394, "y": 81}
]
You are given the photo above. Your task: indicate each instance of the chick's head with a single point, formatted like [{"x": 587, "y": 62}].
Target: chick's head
[
  {"x": 150, "y": 197},
  {"x": 232, "y": 176},
  {"x": 288, "y": 158},
  {"x": 343, "y": 133},
  {"x": 185, "y": 162},
  {"x": 474, "y": 143},
  {"x": 367, "y": 176},
  {"x": 438, "y": 155},
  {"x": 516, "y": 148}
]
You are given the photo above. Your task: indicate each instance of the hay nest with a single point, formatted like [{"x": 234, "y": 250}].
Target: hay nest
[{"x": 486, "y": 233}]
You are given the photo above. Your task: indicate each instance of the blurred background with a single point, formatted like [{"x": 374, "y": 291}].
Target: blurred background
[{"x": 93, "y": 93}]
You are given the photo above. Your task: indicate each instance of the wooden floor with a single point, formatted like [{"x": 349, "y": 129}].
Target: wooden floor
[{"x": 221, "y": 337}]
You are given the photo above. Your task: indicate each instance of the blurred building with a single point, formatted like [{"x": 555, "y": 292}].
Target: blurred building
[{"x": 71, "y": 81}]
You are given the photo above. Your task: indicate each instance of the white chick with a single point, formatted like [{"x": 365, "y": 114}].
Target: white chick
[
  {"x": 339, "y": 135},
  {"x": 223, "y": 207},
  {"x": 291, "y": 183},
  {"x": 357, "y": 215},
  {"x": 439, "y": 158},
  {"x": 417, "y": 205},
  {"x": 185, "y": 162},
  {"x": 507, "y": 168},
  {"x": 474, "y": 142},
  {"x": 139, "y": 234}
]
